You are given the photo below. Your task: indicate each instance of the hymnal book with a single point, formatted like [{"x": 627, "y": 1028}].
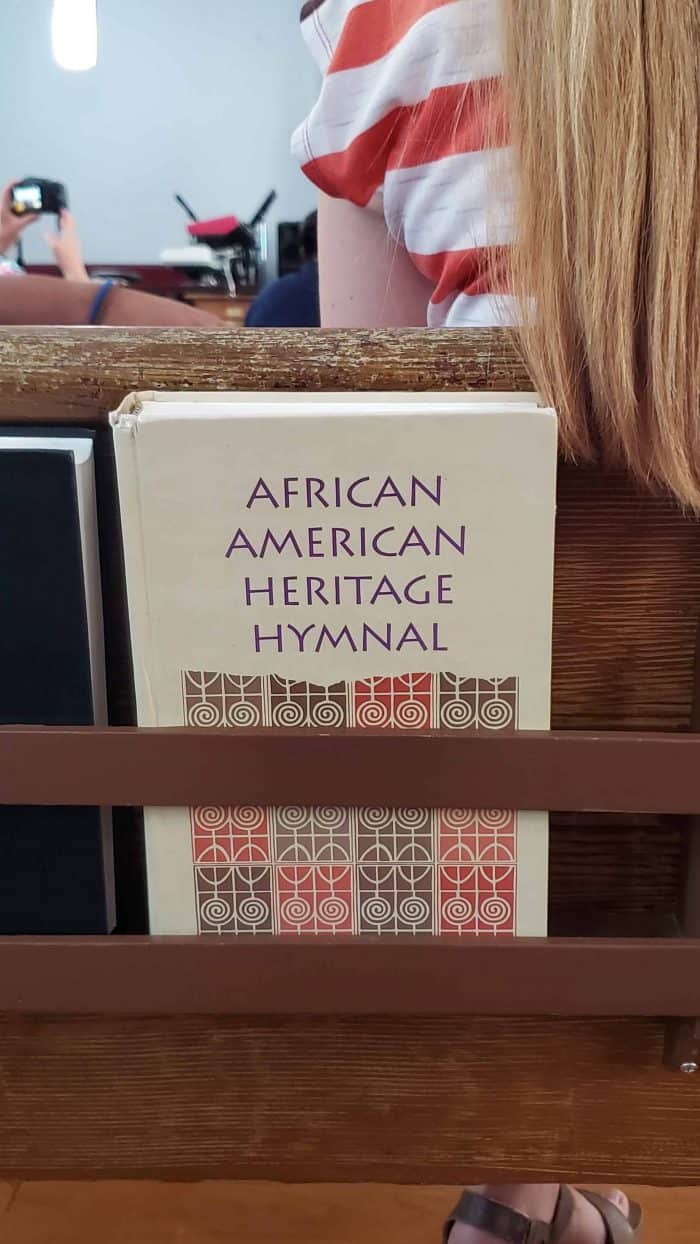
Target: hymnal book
[
  {"x": 56, "y": 869},
  {"x": 366, "y": 561}
]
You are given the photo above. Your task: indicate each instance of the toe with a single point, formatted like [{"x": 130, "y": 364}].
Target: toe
[
  {"x": 618, "y": 1199},
  {"x": 587, "y": 1226}
]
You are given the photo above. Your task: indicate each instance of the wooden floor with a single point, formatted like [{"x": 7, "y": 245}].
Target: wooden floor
[{"x": 259, "y": 1213}]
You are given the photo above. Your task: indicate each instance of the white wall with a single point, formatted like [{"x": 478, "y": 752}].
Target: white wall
[{"x": 195, "y": 96}]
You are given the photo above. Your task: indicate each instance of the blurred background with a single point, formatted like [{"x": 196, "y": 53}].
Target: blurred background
[{"x": 172, "y": 96}]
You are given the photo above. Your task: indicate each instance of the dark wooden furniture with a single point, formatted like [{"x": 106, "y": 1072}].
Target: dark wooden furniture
[
  {"x": 424, "y": 1062},
  {"x": 168, "y": 282},
  {"x": 231, "y": 310},
  {"x": 154, "y": 278}
]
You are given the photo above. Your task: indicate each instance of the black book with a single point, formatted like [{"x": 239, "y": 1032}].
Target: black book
[{"x": 55, "y": 863}]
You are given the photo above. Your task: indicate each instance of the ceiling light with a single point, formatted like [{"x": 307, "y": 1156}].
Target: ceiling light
[{"x": 74, "y": 34}]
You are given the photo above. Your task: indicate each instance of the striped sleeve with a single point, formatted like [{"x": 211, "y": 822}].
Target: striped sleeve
[
  {"x": 409, "y": 121},
  {"x": 401, "y": 88}
]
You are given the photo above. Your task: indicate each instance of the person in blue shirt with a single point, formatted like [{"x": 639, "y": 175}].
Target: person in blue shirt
[{"x": 292, "y": 301}]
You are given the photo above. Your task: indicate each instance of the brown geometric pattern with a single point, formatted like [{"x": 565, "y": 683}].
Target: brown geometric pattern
[
  {"x": 477, "y": 703},
  {"x": 409, "y": 702},
  {"x": 268, "y": 871}
]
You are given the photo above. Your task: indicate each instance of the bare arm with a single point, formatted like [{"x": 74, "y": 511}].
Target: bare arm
[
  {"x": 50, "y": 300},
  {"x": 66, "y": 249},
  {"x": 367, "y": 279}
]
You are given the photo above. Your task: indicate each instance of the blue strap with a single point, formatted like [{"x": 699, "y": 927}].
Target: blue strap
[{"x": 99, "y": 301}]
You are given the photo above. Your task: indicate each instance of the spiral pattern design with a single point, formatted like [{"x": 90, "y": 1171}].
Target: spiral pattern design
[
  {"x": 457, "y": 911},
  {"x": 248, "y": 818},
  {"x": 253, "y": 911},
  {"x": 243, "y": 715},
  {"x": 372, "y": 713},
  {"x": 414, "y": 910},
  {"x": 495, "y": 911},
  {"x": 495, "y": 714},
  {"x": 216, "y": 911},
  {"x": 494, "y": 818},
  {"x": 291, "y": 818},
  {"x": 374, "y": 818},
  {"x": 411, "y": 714},
  {"x": 287, "y": 714},
  {"x": 295, "y": 910},
  {"x": 413, "y": 818},
  {"x": 327, "y": 713},
  {"x": 333, "y": 910},
  {"x": 330, "y": 818},
  {"x": 212, "y": 818},
  {"x": 204, "y": 715},
  {"x": 457, "y": 715},
  {"x": 459, "y": 818},
  {"x": 376, "y": 910}
]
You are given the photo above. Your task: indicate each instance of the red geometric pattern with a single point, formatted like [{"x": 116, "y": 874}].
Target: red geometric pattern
[
  {"x": 476, "y": 878},
  {"x": 356, "y": 870},
  {"x": 230, "y": 835},
  {"x": 343, "y": 871},
  {"x": 407, "y": 701}
]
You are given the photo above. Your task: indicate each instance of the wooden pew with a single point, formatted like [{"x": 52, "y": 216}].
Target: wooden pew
[{"x": 411, "y": 1063}]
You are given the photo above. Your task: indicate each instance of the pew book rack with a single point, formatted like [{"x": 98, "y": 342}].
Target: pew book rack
[{"x": 404, "y": 1060}]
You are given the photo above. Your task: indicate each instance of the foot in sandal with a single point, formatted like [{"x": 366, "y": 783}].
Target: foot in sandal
[{"x": 542, "y": 1214}]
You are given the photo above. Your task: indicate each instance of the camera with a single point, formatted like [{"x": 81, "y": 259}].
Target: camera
[{"x": 36, "y": 196}]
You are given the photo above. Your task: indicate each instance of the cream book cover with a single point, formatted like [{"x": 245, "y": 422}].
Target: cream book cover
[{"x": 364, "y": 560}]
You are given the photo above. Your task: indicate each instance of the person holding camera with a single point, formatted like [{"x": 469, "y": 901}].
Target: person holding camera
[
  {"x": 76, "y": 299},
  {"x": 64, "y": 244}
]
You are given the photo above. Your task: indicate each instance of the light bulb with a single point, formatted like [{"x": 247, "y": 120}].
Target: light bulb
[{"x": 74, "y": 34}]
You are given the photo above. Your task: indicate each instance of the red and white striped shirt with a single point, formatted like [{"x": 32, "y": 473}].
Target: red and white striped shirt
[{"x": 410, "y": 103}]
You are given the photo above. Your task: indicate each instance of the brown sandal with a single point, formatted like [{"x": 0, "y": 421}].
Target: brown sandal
[{"x": 507, "y": 1224}]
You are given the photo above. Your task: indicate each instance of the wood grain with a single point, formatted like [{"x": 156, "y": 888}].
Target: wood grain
[
  {"x": 619, "y": 876},
  {"x": 429, "y": 1101},
  {"x": 621, "y": 554},
  {"x": 209, "y": 1213},
  {"x": 51, "y": 373},
  {"x": 7, "y": 1193}
]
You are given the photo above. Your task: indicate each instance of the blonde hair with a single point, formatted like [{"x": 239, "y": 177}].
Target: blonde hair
[{"x": 603, "y": 98}]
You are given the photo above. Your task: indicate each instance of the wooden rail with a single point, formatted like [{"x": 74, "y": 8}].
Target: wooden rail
[
  {"x": 348, "y": 976},
  {"x": 567, "y": 771},
  {"x": 79, "y": 375},
  {"x": 191, "y": 1057}
]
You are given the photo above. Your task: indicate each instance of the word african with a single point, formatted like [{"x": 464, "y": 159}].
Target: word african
[
  {"x": 413, "y": 539},
  {"x": 336, "y": 492}
]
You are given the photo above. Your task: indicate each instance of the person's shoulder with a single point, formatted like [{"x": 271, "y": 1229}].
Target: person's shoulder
[
  {"x": 346, "y": 34},
  {"x": 288, "y": 302},
  {"x": 387, "y": 64}
]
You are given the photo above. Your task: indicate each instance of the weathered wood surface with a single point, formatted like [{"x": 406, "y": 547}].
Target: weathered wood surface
[
  {"x": 71, "y": 373},
  {"x": 405, "y": 1100},
  {"x": 621, "y": 555}
]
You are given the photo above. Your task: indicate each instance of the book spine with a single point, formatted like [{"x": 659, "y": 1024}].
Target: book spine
[{"x": 126, "y": 454}]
